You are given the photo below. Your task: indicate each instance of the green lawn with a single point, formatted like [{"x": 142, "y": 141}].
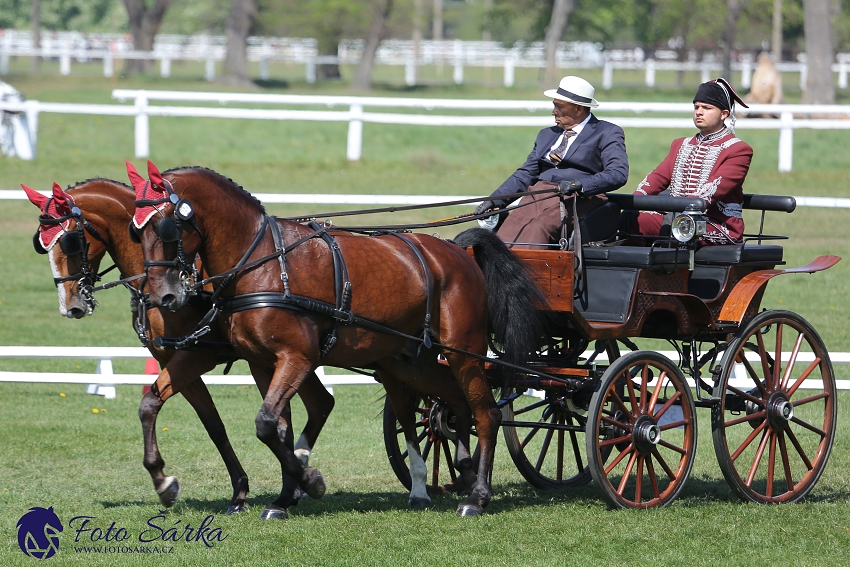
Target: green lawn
[{"x": 56, "y": 451}]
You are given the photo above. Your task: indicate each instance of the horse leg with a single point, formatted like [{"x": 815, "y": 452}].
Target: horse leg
[
  {"x": 198, "y": 396},
  {"x": 318, "y": 403},
  {"x": 404, "y": 400},
  {"x": 273, "y": 425}
]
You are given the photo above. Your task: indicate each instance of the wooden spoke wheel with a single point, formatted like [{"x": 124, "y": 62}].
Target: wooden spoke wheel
[
  {"x": 545, "y": 438},
  {"x": 641, "y": 432},
  {"x": 435, "y": 435},
  {"x": 774, "y": 426}
]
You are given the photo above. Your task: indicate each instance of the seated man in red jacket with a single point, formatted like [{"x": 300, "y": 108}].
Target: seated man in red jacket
[{"x": 711, "y": 165}]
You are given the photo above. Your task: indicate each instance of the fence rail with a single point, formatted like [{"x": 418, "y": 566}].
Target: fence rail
[{"x": 791, "y": 116}]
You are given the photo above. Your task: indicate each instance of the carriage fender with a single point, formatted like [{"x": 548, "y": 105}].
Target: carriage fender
[{"x": 742, "y": 294}]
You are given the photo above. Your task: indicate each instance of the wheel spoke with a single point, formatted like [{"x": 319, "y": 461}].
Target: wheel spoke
[
  {"x": 758, "y": 401},
  {"x": 777, "y": 358},
  {"x": 544, "y": 450},
  {"x": 771, "y": 460},
  {"x": 815, "y": 363},
  {"x": 799, "y": 448},
  {"x": 639, "y": 479},
  {"x": 644, "y": 382},
  {"x": 749, "y": 440},
  {"x": 428, "y": 444},
  {"x": 616, "y": 397},
  {"x": 742, "y": 358},
  {"x": 615, "y": 423},
  {"x": 656, "y": 392},
  {"x": 576, "y": 450},
  {"x": 810, "y": 399},
  {"x": 653, "y": 478},
  {"x": 792, "y": 361},
  {"x": 631, "y": 388},
  {"x": 808, "y": 426},
  {"x": 786, "y": 464},
  {"x": 680, "y": 450},
  {"x": 532, "y": 407},
  {"x": 559, "y": 471},
  {"x": 616, "y": 440},
  {"x": 667, "y": 404},
  {"x": 765, "y": 365},
  {"x": 447, "y": 451},
  {"x": 625, "y": 478},
  {"x": 619, "y": 458},
  {"x": 435, "y": 466},
  {"x": 530, "y": 436},
  {"x": 663, "y": 463},
  {"x": 757, "y": 458},
  {"x": 673, "y": 425},
  {"x": 758, "y": 415}
]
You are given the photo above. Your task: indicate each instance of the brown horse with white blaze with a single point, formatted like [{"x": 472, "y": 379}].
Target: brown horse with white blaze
[
  {"x": 77, "y": 229},
  {"x": 293, "y": 297}
]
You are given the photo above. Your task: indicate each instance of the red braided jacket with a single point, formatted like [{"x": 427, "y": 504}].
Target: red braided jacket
[{"x": 712, "y": 167}]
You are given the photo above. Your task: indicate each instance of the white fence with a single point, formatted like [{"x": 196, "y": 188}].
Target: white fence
[
  {"x": 791, "y": 116},
  {"x": 103, "y": 382},
  {"x": 74, "y": 46}
]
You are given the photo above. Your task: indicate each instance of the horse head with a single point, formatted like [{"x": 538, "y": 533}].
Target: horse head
[
  {"x": 164, "y": 224},
  {"x": 77, "y": 220}
]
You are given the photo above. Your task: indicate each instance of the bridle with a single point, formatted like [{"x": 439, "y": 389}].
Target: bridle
[
  {"x": 74, "y": 243},
  {"x": 170, "y": 229}
]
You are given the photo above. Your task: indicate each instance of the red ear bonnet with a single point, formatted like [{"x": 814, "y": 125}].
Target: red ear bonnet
[
  {"x": 35, "y": 197},
  {"x": 62, "y": 200},
  {"x": 155, "y": 176},
  {"x": 136, "y": 180},
  {"x": 147, "y": 191}
]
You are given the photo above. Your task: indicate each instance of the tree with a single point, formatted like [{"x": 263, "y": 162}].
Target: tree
[
  {"x": 35, "y": 25},
  {"x": 363, "y": 75},
  {"x": 239, "y": 25},
  {"x": 819, "y": 55},
  {"x": 734, "y": 8},
  {"x": 144, "y": 24},
  {"x": 561, "y": 11}
]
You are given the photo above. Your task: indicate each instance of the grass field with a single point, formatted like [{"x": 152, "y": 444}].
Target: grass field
[{"x": 55, "y": 451}]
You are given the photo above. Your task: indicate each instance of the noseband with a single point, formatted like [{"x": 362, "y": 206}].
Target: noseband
[
  {"x": 74, "y": 243},
  {"x": 171, "y": 230}
]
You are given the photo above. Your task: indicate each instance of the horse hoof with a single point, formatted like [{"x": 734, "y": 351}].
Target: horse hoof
[
  {"x": 169, "y": 492},
  {"x": 274, "y": 514},
  {"x": 235, "y": 509},
  {"x": 315, "y": 487},
  {"x": 303, "y": 456},
  {"x": 419, "y": 503},
  {"x": 469, "y": 510}
]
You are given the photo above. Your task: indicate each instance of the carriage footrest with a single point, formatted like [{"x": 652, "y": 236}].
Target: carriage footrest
[{"x": 636, "y": 257}]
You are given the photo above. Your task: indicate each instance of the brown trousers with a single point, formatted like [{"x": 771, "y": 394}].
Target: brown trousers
[{"x": 540, "y": 221}]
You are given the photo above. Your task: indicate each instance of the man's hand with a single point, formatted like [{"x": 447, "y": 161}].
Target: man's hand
[
  {"x": 569, "y": 187},
  {"x": 484, "y": 207}
]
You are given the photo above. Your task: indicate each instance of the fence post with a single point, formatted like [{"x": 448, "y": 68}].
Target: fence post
[
  {"x": 746, "y": 73},
  {"x": 264, "y": 67},
  {"x": 165, "y": 67},
  {"x": 786, "y": 141},
  {"x": 804, "y": 76},
  {"x": 842, "y": 74},
  {"x": 108, "y": 64},
  {"x": 650, "y": 73},
  {"x": 142, "y": 127},
  {"x": 65, "y": 59},
  {"x": 706, "y": 72},
  {"x": 32, "y": 122},
  {"x": 355, "y": 133},
  {"x": 410, "y": 72},
  {"x": 510, "y": 64},
  {"x": 4, "y": 54},
  {"x": 458, "y": 70},
  {"x": 310, "y": 71},
  {"x": 209, "y": 75},
  {"x": 607, "y": 74}
]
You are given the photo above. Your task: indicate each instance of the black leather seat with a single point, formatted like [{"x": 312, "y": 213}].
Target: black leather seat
[
  {"x": 739, "y": 254},
  {"x": 636, "y": 257}
]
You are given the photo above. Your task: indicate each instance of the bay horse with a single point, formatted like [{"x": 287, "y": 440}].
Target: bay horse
[
  {"x": 291, "y": 297},
  {"x": 88, "y": 221}
]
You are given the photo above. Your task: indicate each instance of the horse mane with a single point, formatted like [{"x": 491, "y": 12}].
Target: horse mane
[
  {"x": 93, "y": 179},
  {"x": 226, "y": 181}
]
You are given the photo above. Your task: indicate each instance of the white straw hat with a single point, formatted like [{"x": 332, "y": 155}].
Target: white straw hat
[{"x": 575, "y": 90}]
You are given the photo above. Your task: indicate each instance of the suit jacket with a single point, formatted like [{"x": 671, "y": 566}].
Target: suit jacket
[{"x": 597, "y": 158}]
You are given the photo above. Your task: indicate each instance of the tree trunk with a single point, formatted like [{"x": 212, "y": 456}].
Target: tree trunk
[
  {"x": 437, "y": 24},
  {"x": 776, "y": 40},
  {"x": 363, "y": 76},
  {"x": 733, "y": 13},
  {"x": 35, "y": 25},
  {"x": 486, "y": 33},
  {"x": 144, "y": 23},
  {"x": 417, "y": 37},
  {"x": 329, "y": 47},
  {"x": 239, "y": 25},
  {"x": 554, "y": 31},
  {"x": 819, "y": 55}
]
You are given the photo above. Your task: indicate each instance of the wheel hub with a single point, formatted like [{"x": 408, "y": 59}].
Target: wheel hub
[
  {"x": 647, "y": 434},
  {"x": 780, "y": 411},
  {"x": 441, "y": 419}
]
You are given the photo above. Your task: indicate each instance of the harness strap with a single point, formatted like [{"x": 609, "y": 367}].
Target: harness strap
[
  {"x": 279, "y": 250},
  {"x": 426, "y": 334},
  {"x": 342, "y": 284}
]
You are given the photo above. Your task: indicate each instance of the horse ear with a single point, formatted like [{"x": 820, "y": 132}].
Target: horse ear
[
  {"x": 35, "y": 197},
  {"x": 137, "y": 180},
  {"x": 153, "y": 174},
  {"x": 60, "y": 199}
]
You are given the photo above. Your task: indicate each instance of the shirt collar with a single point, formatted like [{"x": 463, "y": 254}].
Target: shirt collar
[
  {"x": 712, "y": 137},
  {"x": 579, "y": 127}
]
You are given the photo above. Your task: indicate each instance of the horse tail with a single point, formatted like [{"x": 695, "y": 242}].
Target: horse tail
[{"x": 515, "y": 304}]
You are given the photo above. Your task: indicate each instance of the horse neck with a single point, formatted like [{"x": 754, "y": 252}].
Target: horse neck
[
  {"x": 109, "y": 207},
  {"x": 228, "y": 217}
]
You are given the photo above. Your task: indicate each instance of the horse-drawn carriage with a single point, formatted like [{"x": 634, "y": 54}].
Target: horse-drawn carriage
[
  {"x": 414, "y": 310},
  {"x": 628, "y": 421}
]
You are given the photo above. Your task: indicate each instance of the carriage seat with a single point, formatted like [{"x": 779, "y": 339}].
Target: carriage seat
[
  {"x": 739, "y": 255},
  {"x": 666, "y": 259}
]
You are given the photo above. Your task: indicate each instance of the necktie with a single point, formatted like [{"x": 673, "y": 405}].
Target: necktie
[{"x": 557, "y": 154}]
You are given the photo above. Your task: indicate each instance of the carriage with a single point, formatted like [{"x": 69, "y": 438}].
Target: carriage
[{"x": 599, "y": 406}]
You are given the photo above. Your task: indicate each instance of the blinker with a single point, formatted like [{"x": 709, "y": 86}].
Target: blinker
[
  {"x": 134, "y": 236},
  {"x": 36, "y": 243},
  {"x": 168, "y": 231},
  {"x": 71, "y": 243}
]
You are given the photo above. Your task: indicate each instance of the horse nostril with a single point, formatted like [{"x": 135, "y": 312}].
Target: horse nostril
[
  {"x": 168, "y": 300},
  {"x": 76, "y": 313}
]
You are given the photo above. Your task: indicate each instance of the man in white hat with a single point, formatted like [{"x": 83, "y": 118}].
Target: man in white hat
[{"x": 581, "y": 149}]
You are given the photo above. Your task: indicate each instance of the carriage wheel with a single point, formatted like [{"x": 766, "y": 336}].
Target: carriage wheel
[
  {"x": 641, "y": 432},
  {"x": 434, "y": 427},
  {"x": 772, "y": 432},
  {"x": 549, "y": 450}
]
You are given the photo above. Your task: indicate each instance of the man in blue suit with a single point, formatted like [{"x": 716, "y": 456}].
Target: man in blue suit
[{"x": 581, "y": 149}]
